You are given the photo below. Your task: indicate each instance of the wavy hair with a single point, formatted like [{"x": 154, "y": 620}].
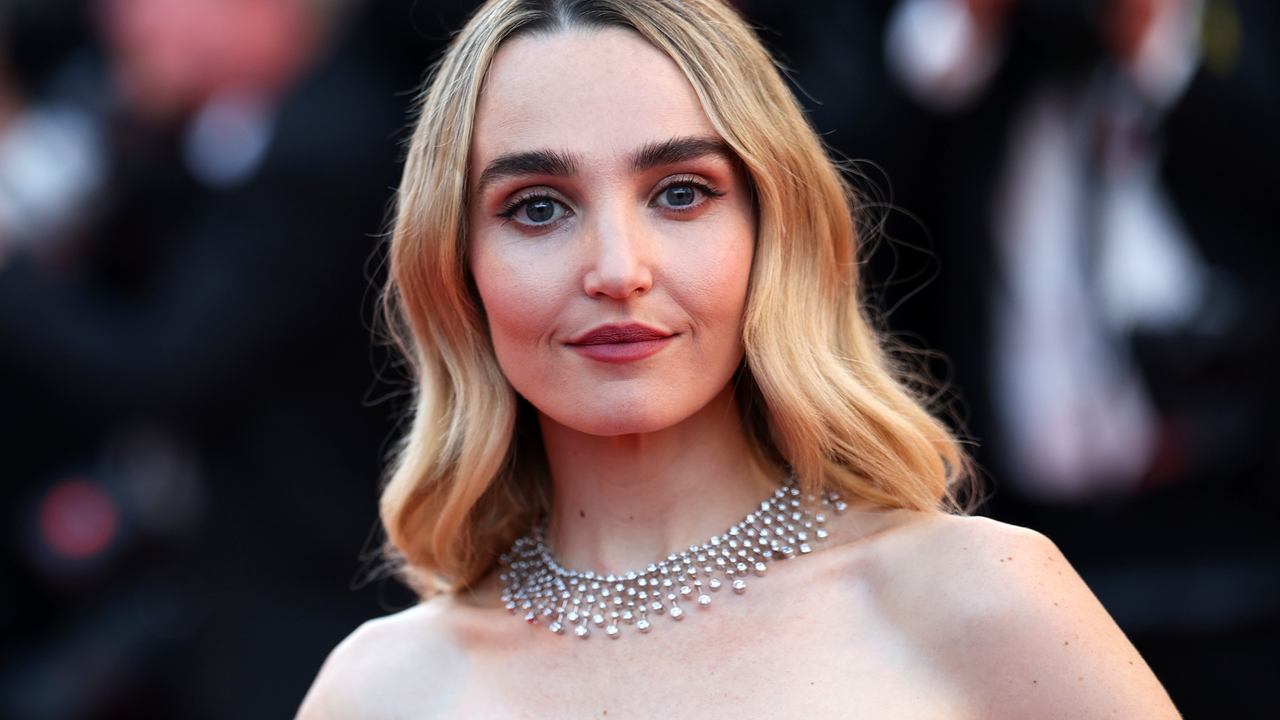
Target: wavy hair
[{"x": 817, "y": 391}]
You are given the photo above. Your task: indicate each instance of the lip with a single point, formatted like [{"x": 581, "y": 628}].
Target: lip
[{"x": 620, "y": 342}]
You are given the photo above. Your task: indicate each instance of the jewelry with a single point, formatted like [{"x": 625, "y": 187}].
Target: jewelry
[{"x": 539, "y": 586}]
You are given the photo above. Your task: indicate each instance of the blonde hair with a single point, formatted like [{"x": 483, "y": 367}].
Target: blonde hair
[{"x": 817, "y": 391}]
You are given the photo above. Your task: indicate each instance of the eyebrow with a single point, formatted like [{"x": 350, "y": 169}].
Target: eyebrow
[
  {"x": 536, "y": 162},
  {"x": 677, "y": 150},
  {"x": 558, "y": 164}
]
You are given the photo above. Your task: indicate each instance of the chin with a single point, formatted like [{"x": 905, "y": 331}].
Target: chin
[
  {"x": 615, "y": 425},
  {"x": 606, "y": 417}
]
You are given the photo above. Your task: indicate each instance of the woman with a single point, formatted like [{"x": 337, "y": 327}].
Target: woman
[{"x": 627, "y": 275}]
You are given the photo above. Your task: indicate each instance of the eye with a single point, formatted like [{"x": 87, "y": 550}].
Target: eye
[
  {"x": 678, "y": 196},
  {"x": 684, "y": 193},
  {"x": 535, "y": 211}
]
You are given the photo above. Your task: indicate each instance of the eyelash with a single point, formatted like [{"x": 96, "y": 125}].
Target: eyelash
[
  {"x": 509, "y": 210},
  {"x": 709, "y": 192}
]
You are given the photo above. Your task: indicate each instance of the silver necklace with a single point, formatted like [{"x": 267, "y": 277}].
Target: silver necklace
[{"x": 544, "y": 590}]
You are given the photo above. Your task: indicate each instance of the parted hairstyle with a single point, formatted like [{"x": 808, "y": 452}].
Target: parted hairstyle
[{"x": 817, "y": 391}]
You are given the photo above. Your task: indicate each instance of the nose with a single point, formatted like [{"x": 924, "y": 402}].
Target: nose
[{"x": 620, "y": 259}]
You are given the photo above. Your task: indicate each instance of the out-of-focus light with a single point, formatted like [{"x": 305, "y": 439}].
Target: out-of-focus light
[
  {"x": 1167, "y": 52},
  {"x": 228, "y": 140},
  {"x": 1221, "y": 37},
  {"x": 78, "y": 519},
  {"x": 938, "y": 53}
]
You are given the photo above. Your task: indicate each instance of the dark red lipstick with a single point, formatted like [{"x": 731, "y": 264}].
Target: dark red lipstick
[{"x": 620, "y": 342}]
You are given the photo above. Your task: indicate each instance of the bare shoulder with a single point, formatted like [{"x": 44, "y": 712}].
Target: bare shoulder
[
  {"x": 971, "y": 567},
  {"x": 1005, "y": 617},
  {"x": 400, "y": 666}
]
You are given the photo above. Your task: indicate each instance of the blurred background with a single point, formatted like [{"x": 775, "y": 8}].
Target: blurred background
[{"x": 1075, "y": 206}]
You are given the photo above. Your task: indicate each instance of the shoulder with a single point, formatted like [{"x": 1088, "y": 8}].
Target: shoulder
[
  {"x": 936, "y": 567},
  {"x": 402, "y": 665},
  {"x": 1004, "y": 617},
  {"x": 968, "y": 558}
]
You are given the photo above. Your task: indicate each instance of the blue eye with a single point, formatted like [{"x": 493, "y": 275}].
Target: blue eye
[
  {"x": 678, "y": 196},
  {"x": 538, "y": 211}
]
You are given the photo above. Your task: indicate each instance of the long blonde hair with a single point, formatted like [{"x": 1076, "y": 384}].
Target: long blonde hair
[{"x": 817, "y": 390}]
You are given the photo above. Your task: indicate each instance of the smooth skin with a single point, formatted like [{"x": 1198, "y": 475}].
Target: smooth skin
[{"x": 578, "y": 221}]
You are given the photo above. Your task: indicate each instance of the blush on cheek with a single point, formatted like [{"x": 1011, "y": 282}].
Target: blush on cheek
[
  {"x": 711, "y": 283},
  {"x": 521, "y": 308}
]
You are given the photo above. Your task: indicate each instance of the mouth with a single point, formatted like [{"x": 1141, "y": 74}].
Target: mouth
[{"x": 620, "y": 342}]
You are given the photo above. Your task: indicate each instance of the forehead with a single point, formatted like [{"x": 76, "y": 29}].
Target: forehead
[{"x": 595, "y": 93}]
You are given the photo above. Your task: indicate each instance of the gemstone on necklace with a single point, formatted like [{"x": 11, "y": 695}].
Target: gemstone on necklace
[{"x": 540, "y": 587}]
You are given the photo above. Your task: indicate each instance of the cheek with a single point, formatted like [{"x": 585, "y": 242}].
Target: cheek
[
  {"x": 520, "y": 302},
  {"x": 711, "y": 276}
]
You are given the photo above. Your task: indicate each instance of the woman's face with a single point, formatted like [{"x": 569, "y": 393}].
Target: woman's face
[{"x": 611, "y": 232}]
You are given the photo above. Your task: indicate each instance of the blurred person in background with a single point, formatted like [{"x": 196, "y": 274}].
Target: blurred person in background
[
  {"x": 1073, "y": 197},
  {"x": 1100, "y": 190},
  {"x": 188, "y": 471}
]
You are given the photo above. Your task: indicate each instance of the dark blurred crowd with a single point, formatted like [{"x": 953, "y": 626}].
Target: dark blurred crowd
[
  {"x": 1070, "y": 199},
  {"x": 191, "y": 196}
]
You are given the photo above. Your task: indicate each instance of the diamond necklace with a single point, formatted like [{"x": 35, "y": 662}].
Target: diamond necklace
[{"x": 544, "y": 590}]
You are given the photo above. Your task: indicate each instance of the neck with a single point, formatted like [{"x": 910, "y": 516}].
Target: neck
[{"x": 623, "y": 502}]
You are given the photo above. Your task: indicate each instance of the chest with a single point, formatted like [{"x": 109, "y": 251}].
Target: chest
[{"x": 781, "y": 656}]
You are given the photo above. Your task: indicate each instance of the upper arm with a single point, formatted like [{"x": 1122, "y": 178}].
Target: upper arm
[
  {"x": 395, "y": 667},
  {"x": 1022, "y": 634}
]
